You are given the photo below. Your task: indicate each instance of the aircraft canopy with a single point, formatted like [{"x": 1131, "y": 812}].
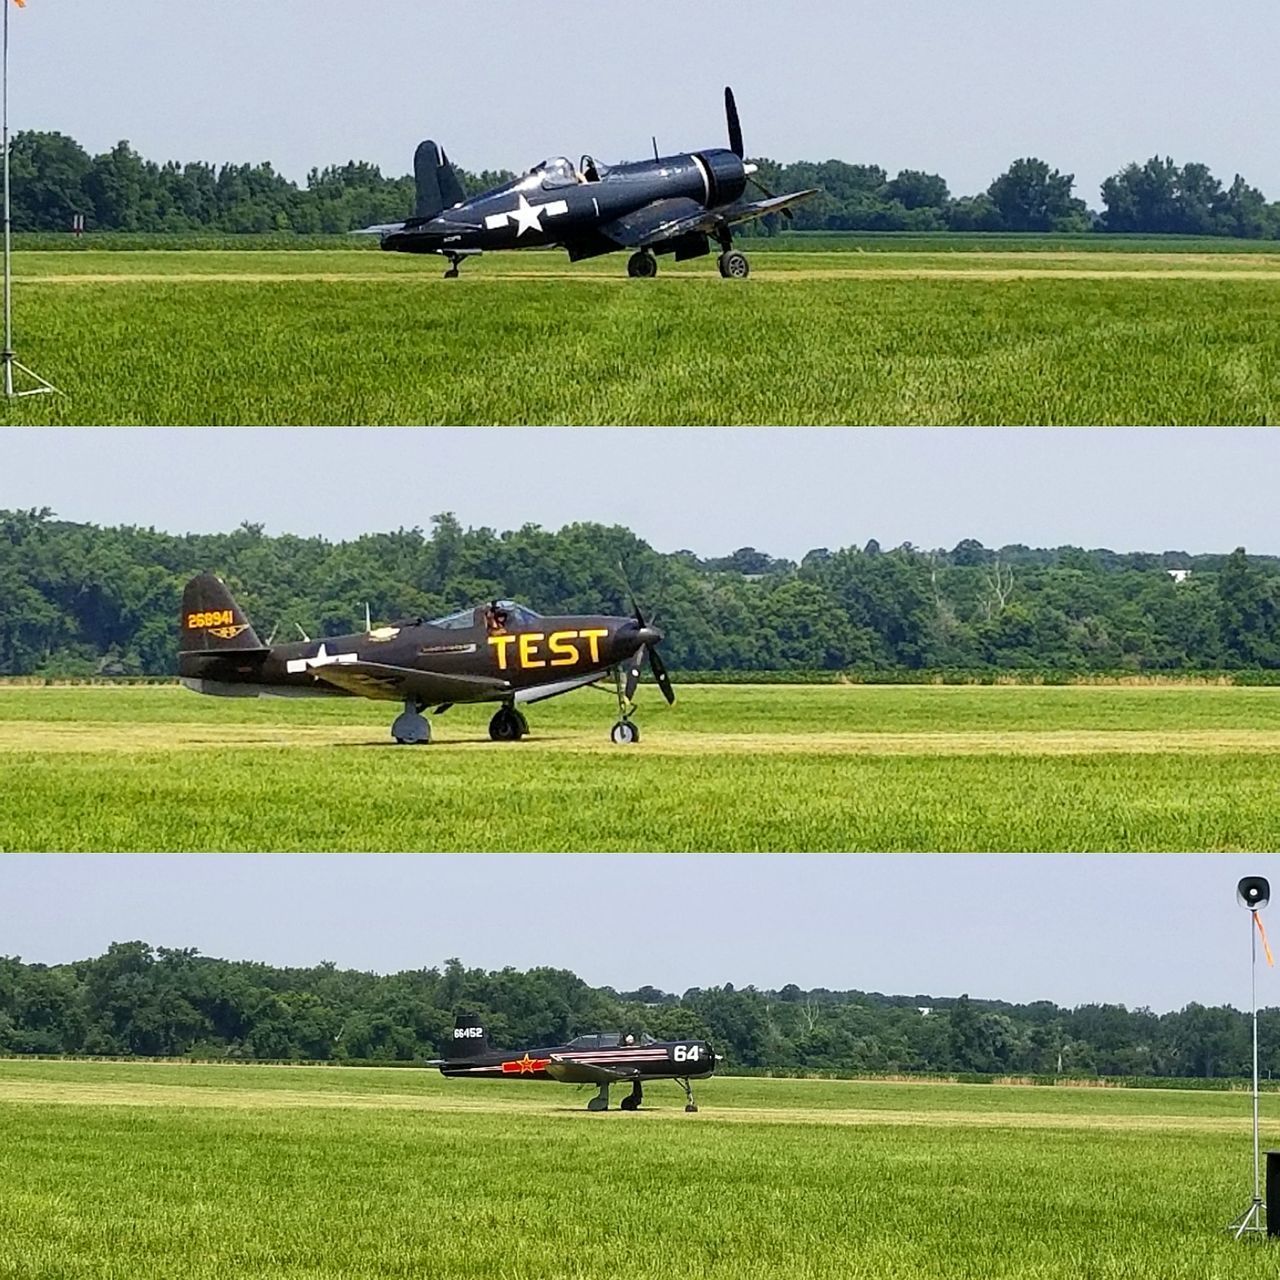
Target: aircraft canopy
[
  {"x": 607, "y": 1040},
  {"x": 517, "y": 615},
  {"x": 557, "y": 172}
]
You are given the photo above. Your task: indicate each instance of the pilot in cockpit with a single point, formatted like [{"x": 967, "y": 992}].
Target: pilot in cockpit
[{"x": 588, "y": 171}]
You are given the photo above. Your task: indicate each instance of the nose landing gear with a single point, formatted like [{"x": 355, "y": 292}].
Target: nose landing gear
[
  {"x": 625, "y": 732},
  {"x": 691, "y": 1105}
]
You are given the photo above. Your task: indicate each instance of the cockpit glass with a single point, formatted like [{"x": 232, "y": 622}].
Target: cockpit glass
[
  {"x": 557, "y": 172},
  {"x": 455, "y": 621},
  {"x": 518, "y": 615}
]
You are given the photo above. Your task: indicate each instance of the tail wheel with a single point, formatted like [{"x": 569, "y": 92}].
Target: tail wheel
[
  {"x": 642, "y": 266},
  {"x": 624, "y": 733},
  {"x": 734, "y": 265}
]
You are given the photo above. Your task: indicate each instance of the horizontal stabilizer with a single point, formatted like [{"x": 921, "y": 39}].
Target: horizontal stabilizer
[{"x": 381, "y": 229}]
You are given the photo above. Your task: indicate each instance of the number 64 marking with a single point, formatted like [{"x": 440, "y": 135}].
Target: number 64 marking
[{"x": 686, "y": 1053}]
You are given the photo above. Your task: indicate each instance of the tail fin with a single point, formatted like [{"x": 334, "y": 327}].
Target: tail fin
[
  {"x": 212, "y": 622},
  {"x": 438, "y": 185},
  {"x": 470, "y": 1039}
]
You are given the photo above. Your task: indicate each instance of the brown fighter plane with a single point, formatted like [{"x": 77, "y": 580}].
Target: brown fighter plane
[{"x": 498, "y": 652}]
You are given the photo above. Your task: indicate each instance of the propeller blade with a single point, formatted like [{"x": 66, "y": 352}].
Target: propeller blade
[
  {"x": 631, "y": 595},
  {"x": 735, "y": 125},
  {"x": 660, "y": 675},
  {"x": 633, "y": 677},
  {"x": 769, "y": 195}
]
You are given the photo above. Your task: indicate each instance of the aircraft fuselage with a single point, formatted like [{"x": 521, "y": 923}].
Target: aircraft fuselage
[
  {"x": 569, "y": 650},
  {"x": 542, "y": 209}
]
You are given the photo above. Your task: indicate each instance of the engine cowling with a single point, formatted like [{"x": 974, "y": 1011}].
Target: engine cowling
[{"x": 726, "y": 176}]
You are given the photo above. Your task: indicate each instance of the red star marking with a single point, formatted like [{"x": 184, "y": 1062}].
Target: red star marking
[{"x": 523, "y": 1066}]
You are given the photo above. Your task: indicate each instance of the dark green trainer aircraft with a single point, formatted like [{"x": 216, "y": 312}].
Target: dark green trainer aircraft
[
  {"x": 602, "y": 1060},
  {"x": 673, "y": 204},
  {"x": 498, "y": 652}
]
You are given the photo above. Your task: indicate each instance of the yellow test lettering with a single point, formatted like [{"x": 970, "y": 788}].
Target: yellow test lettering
[
  {"x": 563, "y": 653},
  {"x": 592, "y": 638},
  {"x": 502, "y": 644},
  {"x": 528, "y": 642}
]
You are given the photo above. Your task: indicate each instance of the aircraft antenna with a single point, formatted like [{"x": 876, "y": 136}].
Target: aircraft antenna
[
  {"x": 368, "y": 622},
  {"x": 6, "y": 356},
  {"x": 302, "y": 633},
  {"x": 655, "y": 146}
]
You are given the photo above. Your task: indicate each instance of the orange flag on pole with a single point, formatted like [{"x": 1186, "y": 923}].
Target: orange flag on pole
[{"x": 1257, "y": 919}]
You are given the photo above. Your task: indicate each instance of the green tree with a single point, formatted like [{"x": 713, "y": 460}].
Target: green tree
[{"x": 1030, "y": 196}]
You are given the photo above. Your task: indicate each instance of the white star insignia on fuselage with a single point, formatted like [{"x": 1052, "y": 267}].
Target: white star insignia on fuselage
[
  {"x": 322, "y": 658},
  {"x": 526, "y": 216}
]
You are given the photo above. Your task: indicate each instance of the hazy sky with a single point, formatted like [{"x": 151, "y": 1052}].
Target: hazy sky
[
  {"x": 955, "y": 88},
  {"x": 1144, "y": 929},
  {"x": 783, "y": 490}
]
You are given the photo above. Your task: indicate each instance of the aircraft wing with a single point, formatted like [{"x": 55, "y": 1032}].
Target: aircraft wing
[
  {"x": 395, "y": 684},
  {"x": 655, "y": 222},
  {"x": 667, "y": 219},
  {"x": 584, "y": 1072}
]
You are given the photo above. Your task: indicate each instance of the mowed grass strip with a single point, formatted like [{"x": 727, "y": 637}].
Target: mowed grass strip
[
  {"x": 732, "y": 768},
  {"x": 842, "y": 338},
  {"x": 155, "y": 1189}
]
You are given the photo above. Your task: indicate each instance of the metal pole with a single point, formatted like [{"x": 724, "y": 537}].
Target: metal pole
[
  {"x": 8, "y": 216},
  {"x": 1253, "y": 998}
]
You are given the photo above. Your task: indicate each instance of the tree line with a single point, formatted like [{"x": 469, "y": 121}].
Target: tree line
[
  {"x": 81, "y": 600},
  {"x": 136, "y": 999},
  {"x": 77, "y": 599},
  {"x": 55, "y": 178}
]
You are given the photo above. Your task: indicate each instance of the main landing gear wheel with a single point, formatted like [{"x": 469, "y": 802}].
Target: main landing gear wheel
[
  {"x": 642, "y": 266},
  {"x": 508, "y": 725},
  {"x": 411, "y": 726},
  {"x": 632, "y": 1101},
  {"x": 734, "y": 265},
  {"x": 624, "y": 733},
  {"x": 601, "y": 1101}
]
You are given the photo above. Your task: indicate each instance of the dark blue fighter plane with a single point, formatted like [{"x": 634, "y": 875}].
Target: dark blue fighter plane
[{"x": 675, "y": 204}]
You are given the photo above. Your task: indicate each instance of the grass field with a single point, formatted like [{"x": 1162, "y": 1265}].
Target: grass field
[
  {"x": 867, "y": 334},
  {"x": 736, "y": 768},
  {"x": 160, "y": 1171}
]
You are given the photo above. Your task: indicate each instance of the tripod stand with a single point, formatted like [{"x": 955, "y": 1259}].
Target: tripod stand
[{"x": 7, "y": 358}]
